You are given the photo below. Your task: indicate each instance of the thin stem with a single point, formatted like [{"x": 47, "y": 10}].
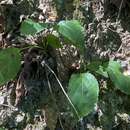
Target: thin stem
[
  {"x": 31, "y": 46},
  {"x": 43, "y": 63}
]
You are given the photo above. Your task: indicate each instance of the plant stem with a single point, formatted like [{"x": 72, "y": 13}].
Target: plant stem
[{"x": 43, "y": 63}]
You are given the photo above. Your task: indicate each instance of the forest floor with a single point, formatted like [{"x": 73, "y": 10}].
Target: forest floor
[{"x": 107, "y": 27}]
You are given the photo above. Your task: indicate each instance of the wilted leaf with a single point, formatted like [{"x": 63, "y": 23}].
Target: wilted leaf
[
  {"x": 73, "y": 31},
  {"x": 83, "y": 92},
  {"x": 10, "y": 61},
  {"x": 29, "y": 27},
  {"x": 53, "y": 41}
]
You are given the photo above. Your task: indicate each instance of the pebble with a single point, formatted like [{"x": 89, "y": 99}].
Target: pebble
[
  {"x": 20, "y": 117},
  {"x": 2, "y": 99}
]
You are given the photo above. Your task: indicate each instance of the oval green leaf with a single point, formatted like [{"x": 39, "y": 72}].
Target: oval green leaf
[
  {"x": 121, "y": 81},
  {"x": 10, "y": 62},
  {"x": 29, "y": 27},
  {"x": 53, "y": 41},
  {"x": 73, "y": 31},
  {"x": 83, "y": 92}
]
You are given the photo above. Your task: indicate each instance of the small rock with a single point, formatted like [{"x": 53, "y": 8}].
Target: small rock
[
  {"x": 2, "y": 99},
  {"x": 20, "y": 117}
]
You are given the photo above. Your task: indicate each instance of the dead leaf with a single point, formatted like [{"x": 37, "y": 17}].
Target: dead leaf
[{"x": 20, "y": 90}]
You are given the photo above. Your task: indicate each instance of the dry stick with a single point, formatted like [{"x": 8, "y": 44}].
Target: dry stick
[
  {"x": 53, "y": 97},
  {"x": 43, "y": 63}
]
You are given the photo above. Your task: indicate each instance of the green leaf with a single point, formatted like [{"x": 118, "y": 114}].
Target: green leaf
[
  {"x": 2, "y": 129},
  {"x": 98, "y": 67},
  {"x": 113, "y": 70},
  {"x": 73, "y": 31},
  {"x": 83, "y": 92},
  {"x": 114, "y": 65},
  {"x": 10, "y": 62},
  {"x": 29, "y": 27},
  {"x": 121, "y": 81},
  {"x": 53, "y": 41}
]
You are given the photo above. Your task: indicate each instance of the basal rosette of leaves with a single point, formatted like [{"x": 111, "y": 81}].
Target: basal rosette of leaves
[
  {"x": 69, "y": 29},
  {"x": 83, "y": 88}
]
